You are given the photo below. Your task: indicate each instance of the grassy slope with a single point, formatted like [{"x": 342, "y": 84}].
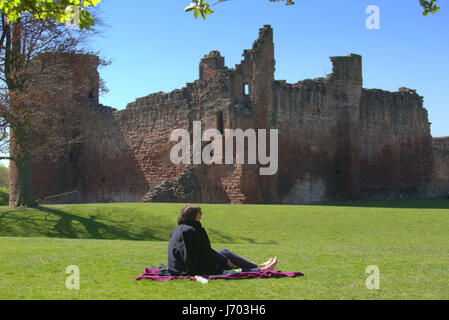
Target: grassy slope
[{"x": 332, "y": 245}]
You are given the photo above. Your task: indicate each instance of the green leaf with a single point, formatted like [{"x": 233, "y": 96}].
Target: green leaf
[
  {"x": 50, "y": 9},
  {"x": 191, "y": 7}
]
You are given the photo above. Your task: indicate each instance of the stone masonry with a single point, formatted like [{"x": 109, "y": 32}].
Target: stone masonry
[{"x": 337, "y": 140}]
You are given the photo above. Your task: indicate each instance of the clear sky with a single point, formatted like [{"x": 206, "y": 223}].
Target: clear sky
[{"x": 156, "y": 46}]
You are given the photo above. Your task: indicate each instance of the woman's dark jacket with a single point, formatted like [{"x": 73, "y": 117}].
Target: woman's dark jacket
[{"x": 190, "y": 252}]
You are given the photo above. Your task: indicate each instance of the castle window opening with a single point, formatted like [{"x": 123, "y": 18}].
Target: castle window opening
[{"x": 246, "y": 89}]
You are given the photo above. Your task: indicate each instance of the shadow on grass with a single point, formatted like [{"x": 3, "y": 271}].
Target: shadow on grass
[
  {"x": 64, "y": 227},
  {"x": 54, "y": 223},
  {"x": 400, "y": 204}
]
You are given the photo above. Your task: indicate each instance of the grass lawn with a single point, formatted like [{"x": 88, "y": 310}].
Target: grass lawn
[{"x": 331, "y": 245}]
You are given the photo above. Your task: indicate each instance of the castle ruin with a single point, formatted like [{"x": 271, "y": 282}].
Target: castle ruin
[{"x": 337, "y": 140}]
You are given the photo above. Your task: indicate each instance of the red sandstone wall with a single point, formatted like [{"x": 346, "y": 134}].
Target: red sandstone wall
[
  {"x": 336, "y": 141},
  {"x": 396, "y": 145},
  {"x": 252, "y": 110},
  {"x": 148, "y": 123},
  {"x": 307, "y": 146},
  {"x": 319, "y": 135},
  {"x": 441, "y": 170},
  {"x": 109, "y": 170},
  {"x": 344, "y": 92},
  {"x": 70, "y": 82}
]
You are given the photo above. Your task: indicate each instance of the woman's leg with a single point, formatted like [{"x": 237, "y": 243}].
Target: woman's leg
[{"x": 237, "y": 260}]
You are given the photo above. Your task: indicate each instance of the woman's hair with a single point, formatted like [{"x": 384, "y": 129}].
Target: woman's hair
[{"x": 188, "y": 212}]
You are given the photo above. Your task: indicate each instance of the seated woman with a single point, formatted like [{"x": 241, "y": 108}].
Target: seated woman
[{"x": 190, "y": 252}]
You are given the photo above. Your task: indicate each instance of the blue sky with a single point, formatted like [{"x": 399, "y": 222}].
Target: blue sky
[{"x": 155, "y": 46}]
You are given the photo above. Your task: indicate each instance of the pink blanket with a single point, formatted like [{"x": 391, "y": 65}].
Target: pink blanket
[{"x": 152, "y": 274}]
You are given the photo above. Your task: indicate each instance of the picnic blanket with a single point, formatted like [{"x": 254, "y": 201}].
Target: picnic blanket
[{"x": 152, "y": 275}]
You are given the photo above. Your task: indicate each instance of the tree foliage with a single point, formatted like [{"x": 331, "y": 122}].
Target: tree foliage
[
  {"x": 429, "y": 6},
  {"x": 203, "y": 8},
  {"x": 63, "y": 11}
]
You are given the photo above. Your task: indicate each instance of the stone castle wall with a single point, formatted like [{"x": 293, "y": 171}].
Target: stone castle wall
[
  {"x": 441, "y": 165},
  {"x": 396, "y": 152},
  {"x": 337, "y": 141}
]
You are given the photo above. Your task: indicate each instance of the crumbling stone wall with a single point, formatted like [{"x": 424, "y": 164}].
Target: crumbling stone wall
[
  {"x": 72, "y": 82},
  {"x": 396, "y": 145},
  {"x": 320, "y": 135},
  {"x": 110, "y": 170},
  {"x": 441, "y": 168},
  {"x": 337, "y": 141},
  {"x": 307, "y": 125}
]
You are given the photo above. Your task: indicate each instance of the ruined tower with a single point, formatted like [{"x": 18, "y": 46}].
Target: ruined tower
[
  {"x": 71, "y": 84},
  {"x": 345, "y": 88}
]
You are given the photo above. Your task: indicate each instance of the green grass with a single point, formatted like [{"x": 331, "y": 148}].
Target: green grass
[
  {"x": 4, "y": 196},
  {"x": 332, "y": 245}
]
